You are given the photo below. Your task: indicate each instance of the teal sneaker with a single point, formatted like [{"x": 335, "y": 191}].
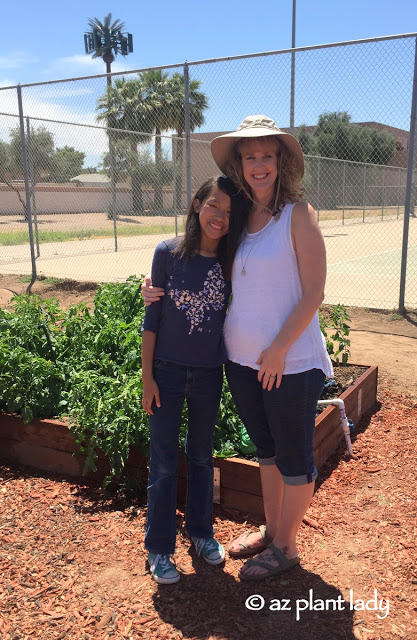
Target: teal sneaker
[
  {"x": 162, "y": 569},
  {"x": 211, "y": 550}
]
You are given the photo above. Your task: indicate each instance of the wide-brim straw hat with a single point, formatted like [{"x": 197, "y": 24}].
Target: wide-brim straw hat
[{"x": 254, "y": 127}]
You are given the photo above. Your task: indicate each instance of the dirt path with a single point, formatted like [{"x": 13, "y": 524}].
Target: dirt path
[
  {"x": 389, "y": 341},
  {"x": 72, "y": 559}
]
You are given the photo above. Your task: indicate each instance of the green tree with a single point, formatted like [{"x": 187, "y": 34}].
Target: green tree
[
  {"x": 153, "y": 103},
  {"x": 4, "y": 159},
  {"x": 198, "y": 104},
  {"x": 306, "y": 140},
  {"x": 66, "y": 164},
  {"x": 383, "y": 146},
  {"x": 122, "y": 108},
  {"x": 6, "y": 170},
  {"x": 123, "y": 160},
  {"x": 335, "y": 136},
  {"x": 159, "y": 99},
  {"x": 165, "y": 98},
  {"x": 41, "y": 152}
]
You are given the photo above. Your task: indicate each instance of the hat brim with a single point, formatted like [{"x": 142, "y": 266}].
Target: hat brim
[{"x": 222, "y": 146}]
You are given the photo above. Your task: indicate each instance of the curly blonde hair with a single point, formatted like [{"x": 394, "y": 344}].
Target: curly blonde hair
[{"x": 288, "y": 181}]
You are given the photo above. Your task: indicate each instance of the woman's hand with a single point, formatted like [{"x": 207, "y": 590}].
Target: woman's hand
[
  {"x": 150, "y": 393},
  {"x": 272, "y": 366},
  {"x": 149, "y": 293}
]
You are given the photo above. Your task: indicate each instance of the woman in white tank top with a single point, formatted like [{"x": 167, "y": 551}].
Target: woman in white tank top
[
  {"x": 277, "y": 354},
  {"x": 278, "y": 359}
]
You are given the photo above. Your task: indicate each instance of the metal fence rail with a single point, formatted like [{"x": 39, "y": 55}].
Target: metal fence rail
[{"x": 94, "y": 173}]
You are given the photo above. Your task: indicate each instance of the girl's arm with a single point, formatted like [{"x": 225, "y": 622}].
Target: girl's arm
[
  {"x": 150, "y": 329},
  {"x": 150, "y": 388},
  {"x": 311, "y": 256}
]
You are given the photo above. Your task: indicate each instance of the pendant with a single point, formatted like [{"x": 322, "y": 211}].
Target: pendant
[{"x": 243, "y": 272}]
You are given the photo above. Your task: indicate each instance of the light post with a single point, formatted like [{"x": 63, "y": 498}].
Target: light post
[{"x": 292, "y": 68}]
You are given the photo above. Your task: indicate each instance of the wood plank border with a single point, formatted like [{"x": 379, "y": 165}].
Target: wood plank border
[{"x": 47, "y": 445}]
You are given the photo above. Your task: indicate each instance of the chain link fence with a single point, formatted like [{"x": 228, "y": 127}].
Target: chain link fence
[{"x": 95, "y": 171}]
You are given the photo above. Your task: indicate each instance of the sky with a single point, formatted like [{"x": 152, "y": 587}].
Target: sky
[
  {"x": 48, "y": 41},
  {"x": 48, "y": 44}
]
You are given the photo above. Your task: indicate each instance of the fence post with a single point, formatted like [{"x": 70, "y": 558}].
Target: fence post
[
  {"x": 410, "y": 187},
  {"x": 187, "y": 129},
  {"x": 383, "y": 193},
  {"x": 26, "y": 178},
  {"x": 292, "y": 101},
  {"x": 32, "y": 184},
  {"x": 343, "y": 191},
  {"x": 364, "y": 193},
  {"x": 113, "y": 207},
  {"x": 318, "y": 189},
  {"x": 399, "y": 192}
]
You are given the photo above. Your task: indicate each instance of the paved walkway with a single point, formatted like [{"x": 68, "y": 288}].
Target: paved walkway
[{"x": 364, "y": 261}]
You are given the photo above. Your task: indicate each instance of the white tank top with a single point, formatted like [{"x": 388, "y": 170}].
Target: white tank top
[{"x": 265, "y": 297}]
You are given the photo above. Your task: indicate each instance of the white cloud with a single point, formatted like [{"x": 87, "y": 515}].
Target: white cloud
[
  {"x": 89, "y": 140},
  {"x": 16, "y": 60},
  {"x": 68, "y": 102},
  {"x": 7, "y": 82},
  {"x": 79, "y": 64}
]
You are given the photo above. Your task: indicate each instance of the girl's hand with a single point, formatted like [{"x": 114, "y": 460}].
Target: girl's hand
[
  {"x": 272, "y": 366},
  {"x": 150, "y": 392},
  {"x": 149, "y": 293}
]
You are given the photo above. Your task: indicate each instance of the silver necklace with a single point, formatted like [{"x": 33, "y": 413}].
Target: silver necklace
[
  {"x": 244, "y": 261},
  {"x": 274, "y": 217}
]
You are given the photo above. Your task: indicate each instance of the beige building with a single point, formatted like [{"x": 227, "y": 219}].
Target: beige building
[{"x": 203, "y": 165}]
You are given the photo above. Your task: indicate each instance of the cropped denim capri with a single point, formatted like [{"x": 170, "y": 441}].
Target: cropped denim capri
[{"x": 280, "y": 422}]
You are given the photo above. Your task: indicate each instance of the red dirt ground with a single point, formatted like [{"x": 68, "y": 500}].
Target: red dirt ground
[{"x": 72, "y": 560}]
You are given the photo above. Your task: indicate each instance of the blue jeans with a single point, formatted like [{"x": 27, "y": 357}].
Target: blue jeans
[
  {"x": 201, "y": 387},
  {"x": 279, "y": 422}
]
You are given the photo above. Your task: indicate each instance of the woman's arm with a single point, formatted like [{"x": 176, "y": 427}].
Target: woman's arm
[
  {"x": 150, "y": 388},
  {"x": 311, "y": 257},
  {"x": 150, "y": 293}
]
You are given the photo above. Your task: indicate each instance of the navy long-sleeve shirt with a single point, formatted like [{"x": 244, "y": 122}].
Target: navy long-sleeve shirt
[{"x": 188, "y": 320}]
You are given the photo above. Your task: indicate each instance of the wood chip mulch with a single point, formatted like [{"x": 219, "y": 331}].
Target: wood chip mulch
[{"x": 72, "y": 560}]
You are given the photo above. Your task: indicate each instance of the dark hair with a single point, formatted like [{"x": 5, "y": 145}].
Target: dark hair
[{"x": 239, "y": 211}]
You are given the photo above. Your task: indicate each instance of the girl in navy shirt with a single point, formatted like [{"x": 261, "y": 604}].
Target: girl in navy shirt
[{"x": 182, "y": 357}]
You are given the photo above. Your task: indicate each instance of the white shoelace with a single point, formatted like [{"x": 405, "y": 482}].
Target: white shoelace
[
  {"x": 164, "y": 562},
  {"x": 200, "y": 543}
]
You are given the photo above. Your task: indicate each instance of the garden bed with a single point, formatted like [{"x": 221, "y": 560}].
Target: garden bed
[{"x": 47, "y": 445}]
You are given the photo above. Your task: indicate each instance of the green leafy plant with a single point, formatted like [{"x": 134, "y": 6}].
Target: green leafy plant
[
  {"x": 86, "y": 365},
  {"x": 338, "y": 342}
]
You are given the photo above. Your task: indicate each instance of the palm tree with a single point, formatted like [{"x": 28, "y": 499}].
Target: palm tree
[
  {"x": 198, "y": 104},
  {"x": 153, "y": 101},
  {"x": 122, "y": 107},
  {"x": 107, "y": 41},
  {"x": 165, "y": 98},
  {"x": 159, "y": 98}
]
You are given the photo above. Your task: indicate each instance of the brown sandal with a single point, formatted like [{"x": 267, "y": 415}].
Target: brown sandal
[
  {"x": 245, "y": 549},
  {"x": 267, "y": 563}
]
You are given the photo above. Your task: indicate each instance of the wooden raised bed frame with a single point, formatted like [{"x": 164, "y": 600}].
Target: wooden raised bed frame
[{"x": 46, "y": 445}]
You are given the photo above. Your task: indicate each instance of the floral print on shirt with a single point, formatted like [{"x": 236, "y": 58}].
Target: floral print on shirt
[{"x": 197, "y": 304}]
